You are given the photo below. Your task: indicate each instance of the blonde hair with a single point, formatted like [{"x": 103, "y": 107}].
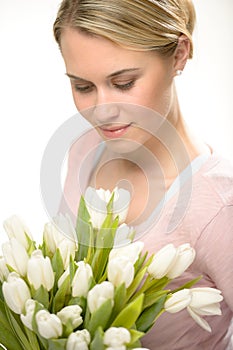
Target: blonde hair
[{"x": 136, "y": 24}]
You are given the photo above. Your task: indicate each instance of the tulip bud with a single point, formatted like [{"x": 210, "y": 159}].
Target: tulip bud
[
  {"x": 97, "y": 200},
  {"x": 81, "y": 280},
  {"x": 99, "y": 294},
  {"x": 49, "y": 325},
  {"x": 71, "y": 313},
  {"x": 78, "y": 340},
  {"x": 162, "y": 261},
  {"x": 15, "y": 228},
  {"x": 67, "y": 249},
  {"x": 205, "y": 302},
  {"x": 4, "y": 272},
  {"x": 120, "y": 270},
  {"x": 30, "y": 309},
  {"x": 116, "y": 336},
  {"x": 15, "y": 256},
  {"x": 61, "y": 235},
  {"x": 178, "y": 301},
  {"x": 184, "y": 258},
  {"x": 123, "y": 236},
  {"x": 40, "y": 272},
  {"x": 130, "y": 251},
  {"x": 15, "y": 292}
]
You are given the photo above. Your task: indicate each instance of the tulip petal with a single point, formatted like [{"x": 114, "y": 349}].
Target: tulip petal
[{"x": 200, "y": 321}]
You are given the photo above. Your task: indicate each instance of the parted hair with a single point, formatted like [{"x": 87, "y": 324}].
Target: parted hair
[{"x": 141, "y": 25}]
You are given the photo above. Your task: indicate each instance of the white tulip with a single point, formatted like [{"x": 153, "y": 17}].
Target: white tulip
[
  {"x": 120, "y": 270},
  {"x": 15, "y": 292},
  {"x": 185, "y": 255},
  {"x": 178, "y": 301},
  {"x": 71, "y": 313},
  {"x": 30, "y": 309},
  {"x": 15, "y": 228},
  {"x": 99, "y": 294},
  {"x": 49, "y": 325},
  {"x": 97, "y": 200},
  {"x": 116, "y": 336},
  {"x": 39, "y": 271},
  {"x": 78, "y": 340},
  {"x": 81, "y": 281},
  {"x": 60, "y": 234},
  {"x": 205, "y": 302},
  {"x": 130, "y": 251},
  {"x": 162, "y": 261},
  {"x": 123, "y": 235},
  {"x": 51, "y": 237},
  {"x": 67, "y": 249},
  {"x": 16, "y": 256},
  {"x": 4, "y": 272}
]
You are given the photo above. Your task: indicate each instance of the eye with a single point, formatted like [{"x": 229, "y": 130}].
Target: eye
[
  {"x": 124, "y": 86},
  {"x": 82, "y": 88}
]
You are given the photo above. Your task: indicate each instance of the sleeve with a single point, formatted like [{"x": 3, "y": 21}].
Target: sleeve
[{"x": 215, "y": 251}]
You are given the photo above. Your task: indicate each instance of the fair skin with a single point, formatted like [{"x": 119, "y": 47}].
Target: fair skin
[{"x": 124, "y": 93}]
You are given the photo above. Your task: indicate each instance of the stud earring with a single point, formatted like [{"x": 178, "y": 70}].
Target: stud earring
[{"x": 179, "y": 72}]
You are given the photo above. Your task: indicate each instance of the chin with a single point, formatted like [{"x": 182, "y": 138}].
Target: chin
[{"x": 122, "y": 146}]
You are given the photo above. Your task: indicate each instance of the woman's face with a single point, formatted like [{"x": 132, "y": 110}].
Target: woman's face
[{"x": 111, "y": 85}]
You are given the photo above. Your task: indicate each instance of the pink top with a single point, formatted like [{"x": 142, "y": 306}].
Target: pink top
[{"x": 199, "y": 212}]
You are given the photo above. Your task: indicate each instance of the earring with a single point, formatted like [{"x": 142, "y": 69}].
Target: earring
[{"x": 179, "y": 72}]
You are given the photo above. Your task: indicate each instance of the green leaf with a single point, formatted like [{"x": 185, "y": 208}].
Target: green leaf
[
  {"x": 136, "y": 282},
  {"x": 128, "y": 316},
  {"x": 135, "y": 336},
  {"x": 61, "y": 295},
  {"x": 104, "y": 244},
  {"x": 32, "y": 339},
  {"x": 57, "y": 265},
  {"x": 57, "y": 344},
  {"x": 16, "y": 327},
  {"x": 41, "y": 295},
  {"x": 152, "y": 298},
  {"x": 81, "y": 301},
  {"x": 97, "y": 343},
  {"x": 149, "y": 315},
  {"x": 119, "y": 301},
  {"x": 8, "y": 338},
  {"x": 100, "y": 317},
  {"x": 84, "y": 231},
  {"x": 139, "y": 263},
  {"x": 188, "y": 284}
]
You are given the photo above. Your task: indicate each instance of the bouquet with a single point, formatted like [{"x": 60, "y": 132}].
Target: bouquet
[{"x": 91, "y": 287}]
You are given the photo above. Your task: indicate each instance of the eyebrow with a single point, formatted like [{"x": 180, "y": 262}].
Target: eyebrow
[{"x": 119, "y": 72}]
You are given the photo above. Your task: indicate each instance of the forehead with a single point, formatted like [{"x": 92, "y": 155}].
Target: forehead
[{"x": 84, "y": 51}]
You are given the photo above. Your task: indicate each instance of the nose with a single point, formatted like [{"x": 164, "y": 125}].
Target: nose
[
  {"x": 105, "y": 113},
  {"x": 105, "y": 110}
]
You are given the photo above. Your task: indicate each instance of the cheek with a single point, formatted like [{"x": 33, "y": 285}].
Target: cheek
[{"x": 82, "y": 103}]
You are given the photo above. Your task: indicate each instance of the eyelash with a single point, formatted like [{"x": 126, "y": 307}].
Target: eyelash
[{"x": 87, "y": 88}]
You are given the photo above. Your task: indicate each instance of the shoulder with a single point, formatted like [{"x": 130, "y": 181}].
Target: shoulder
[
  {"x": 201, "y": 198},
  {"x": 216, "y": 179}
]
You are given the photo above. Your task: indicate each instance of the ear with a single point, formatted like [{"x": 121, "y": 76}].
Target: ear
[{"x": 181, "y": 53}]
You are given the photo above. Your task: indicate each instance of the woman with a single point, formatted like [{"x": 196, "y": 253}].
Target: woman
[{"x": 122, "y": 58}]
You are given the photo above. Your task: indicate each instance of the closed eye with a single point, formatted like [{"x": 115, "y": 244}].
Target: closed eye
[
  {"x": 124, "y": 86},
  {"x": 82, "y": 88}
]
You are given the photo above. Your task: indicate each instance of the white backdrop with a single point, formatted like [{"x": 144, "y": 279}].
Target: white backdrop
[{"x": 35, "y": 97}]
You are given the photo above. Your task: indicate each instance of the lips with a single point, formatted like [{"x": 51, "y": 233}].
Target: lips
[{"x": 114, "y": 131}]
